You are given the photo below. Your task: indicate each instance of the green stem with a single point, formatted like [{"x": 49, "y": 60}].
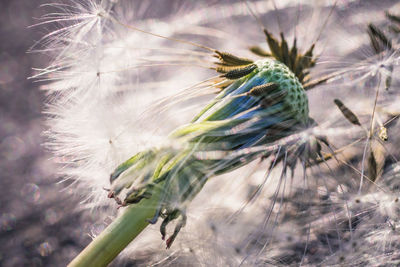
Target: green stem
[{"x": 106, "y": 246}]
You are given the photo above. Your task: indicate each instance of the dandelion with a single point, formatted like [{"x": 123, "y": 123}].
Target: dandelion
[{"x": 112, "y": 85}]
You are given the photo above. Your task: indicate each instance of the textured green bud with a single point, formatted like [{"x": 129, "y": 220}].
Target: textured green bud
[
  {"x": 296, "y": 101},
  {"x": 264, "y": 103}
]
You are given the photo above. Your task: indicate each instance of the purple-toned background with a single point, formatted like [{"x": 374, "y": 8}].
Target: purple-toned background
[{"x": 35, "y": 229}]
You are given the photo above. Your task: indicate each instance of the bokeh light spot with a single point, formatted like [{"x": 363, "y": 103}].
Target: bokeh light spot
[
  {"x": 45, "y": 249},
  {"x": 7, "y": 221},
  {"x": 30, "y": 192},
  {"x": 51, "y": 217}
]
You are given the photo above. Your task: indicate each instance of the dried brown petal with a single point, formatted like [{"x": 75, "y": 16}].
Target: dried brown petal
[
  {"x": 239, "y": 72},
  {"x": 263, "y": 89},
  {"x": 232, "y": 60}
]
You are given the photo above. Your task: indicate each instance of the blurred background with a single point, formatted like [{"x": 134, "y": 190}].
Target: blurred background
[{"x": 33, "y": 230}]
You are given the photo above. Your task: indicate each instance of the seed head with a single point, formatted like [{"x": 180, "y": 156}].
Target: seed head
[{"x": 264, "y": 104}]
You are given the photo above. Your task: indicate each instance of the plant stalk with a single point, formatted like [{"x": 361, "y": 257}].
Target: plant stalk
[{"x": 106, "y": 246}]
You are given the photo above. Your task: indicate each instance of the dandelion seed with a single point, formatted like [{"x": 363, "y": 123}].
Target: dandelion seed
[
  {"x": 347, "y": 113},
  {"x": 383, "y": 133}
]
